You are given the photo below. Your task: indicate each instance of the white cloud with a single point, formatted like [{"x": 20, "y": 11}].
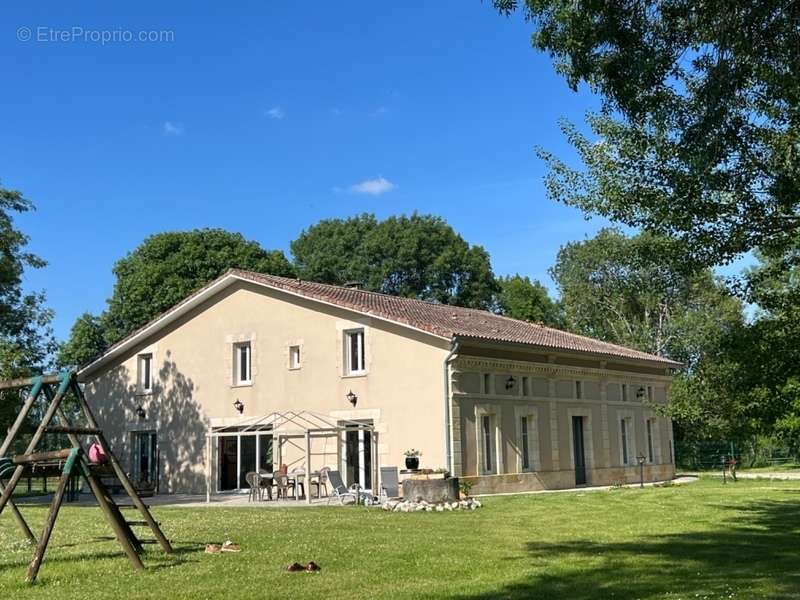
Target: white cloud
[
  {"x": 379, "y": 112},
  {"x": 276, "y": 112},
  {"x": 170, "y": 128},
  {"x": 373, "y": 187}
]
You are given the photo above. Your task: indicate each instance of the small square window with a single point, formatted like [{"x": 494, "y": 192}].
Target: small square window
[
  {"x": 294, "y": 357},
  {"x": 243, "y": 372},
  {"x": 355, "y": 360},
  {"x": 145, "y": 376},
  {"x": 579, "y": 390}
]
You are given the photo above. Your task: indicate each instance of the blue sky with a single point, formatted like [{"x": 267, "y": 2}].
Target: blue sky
[{"x": 266, "y": 118}]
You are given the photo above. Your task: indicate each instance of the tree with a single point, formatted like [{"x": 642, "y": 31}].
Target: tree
[
  {"x": 161, "y": 272},
  {"x": 417, "y": 256},
  {"x": 86, "y": 341},
  {"x": 521, "y": 298},
  {"x": 698, "y": 137},
  {"x": 26, "y": 337},
  {"x": 633, "y": 291}
]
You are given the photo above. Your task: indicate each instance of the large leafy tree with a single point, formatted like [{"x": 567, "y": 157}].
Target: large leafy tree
[
  {"x": 158, "y": 274},
  {"x": 521, "y": 298},
  {"x": 418, "y": 256},
  {"x": 698, "y": 136},
  {"x": 753, "y": 385},
  {"x": 635, "y": 292},
  {"x": 26, "y": 339}
]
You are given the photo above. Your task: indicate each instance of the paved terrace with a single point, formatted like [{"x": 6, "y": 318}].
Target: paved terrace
[{"x": 241, "y": 499}]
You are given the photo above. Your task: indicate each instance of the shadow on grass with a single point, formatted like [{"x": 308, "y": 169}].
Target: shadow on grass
[{"x": 753, "y": 555}]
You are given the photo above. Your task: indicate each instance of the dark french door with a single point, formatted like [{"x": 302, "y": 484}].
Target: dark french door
[
  {"x": 578, "y": 450},
  {"x": 228, "y": 460},
  {"x": 358, "y": 457},
  {"x": 240, "y": 454},
  {"x": 145, "y": 458}
]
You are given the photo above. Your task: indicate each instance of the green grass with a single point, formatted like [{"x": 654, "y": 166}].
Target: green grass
[
  {"x": 702, "y": 540},
  {"x": 779, "y": 468}
]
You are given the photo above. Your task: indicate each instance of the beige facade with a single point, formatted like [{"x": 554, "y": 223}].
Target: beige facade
[
  {"x": 550, "y": 392},
  {"x": 160, "y": 392}
]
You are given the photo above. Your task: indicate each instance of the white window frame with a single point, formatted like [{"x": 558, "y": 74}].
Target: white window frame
[
  {"x": 349, "y": 334},
  {"x": 496, "y": 439},
  {"x": 145, "y": 358},
  {"x": 630, "y": 438},
  {"x": 298, "y": 349},
  {"x": 649, "y": 425},
  {"x": 529, "y": 413},
  {"x": 238, "y": 347}
]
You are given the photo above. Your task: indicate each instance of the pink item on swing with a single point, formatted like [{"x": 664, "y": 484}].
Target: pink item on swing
[{"x": 97, "y": 455}]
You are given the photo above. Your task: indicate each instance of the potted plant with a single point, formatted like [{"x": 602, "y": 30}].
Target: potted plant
[
  {"x": 412, "y": 459},
  {"x": 463, "y": 489}
]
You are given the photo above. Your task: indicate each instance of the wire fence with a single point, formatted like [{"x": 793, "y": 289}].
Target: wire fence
[{"x": 763, "y": 453}]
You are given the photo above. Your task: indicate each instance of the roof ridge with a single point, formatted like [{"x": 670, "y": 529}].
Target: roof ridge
[{"x": 363, "y": 291}]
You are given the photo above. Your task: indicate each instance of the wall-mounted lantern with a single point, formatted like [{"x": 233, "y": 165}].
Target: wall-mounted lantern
[
  {"x": 238, "y": 406},
  {"x": 140, "y": 412},
  {"x": 352, "y": 398},
  {"x": 510, "y": 382},
  {"x": 641, "y": 393}
]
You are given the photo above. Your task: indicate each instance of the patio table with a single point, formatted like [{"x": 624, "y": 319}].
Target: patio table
[{"x": 299, "y": 476}]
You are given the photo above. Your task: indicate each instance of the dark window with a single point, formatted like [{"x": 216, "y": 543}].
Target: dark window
[
  {"x": 623, "y": 424},
  {"x": 526, "y": 461},
  {"x": 579, "y": 390},
  {"x": 487, "y": 443},
  {"x": 650, "y": 440},
  {"x": 265, "y": 452},
  {"x": 145, "y": 372},
  {"x": 355, "y": 351},
  {"x": 244, "y": 361}
]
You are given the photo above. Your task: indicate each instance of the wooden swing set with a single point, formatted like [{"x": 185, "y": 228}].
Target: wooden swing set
[{"x": 68, "y": 463}]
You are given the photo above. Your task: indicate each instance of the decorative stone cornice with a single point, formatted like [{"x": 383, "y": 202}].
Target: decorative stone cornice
[{"x": 492, "y": 365}]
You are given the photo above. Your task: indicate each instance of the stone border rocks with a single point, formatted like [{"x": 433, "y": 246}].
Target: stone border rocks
[{"x": 423, "y": 505}]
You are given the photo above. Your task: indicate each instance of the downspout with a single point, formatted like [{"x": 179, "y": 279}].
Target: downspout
[{"x": 447, "y": 404}]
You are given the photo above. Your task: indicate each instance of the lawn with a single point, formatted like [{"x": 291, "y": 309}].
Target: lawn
[{"x": 702, "y": 540}]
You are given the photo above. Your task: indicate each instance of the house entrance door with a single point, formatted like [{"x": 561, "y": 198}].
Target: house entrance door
[
  {"x": 578, "y": 451},
  {"x": 357, "y": 457},
  {"x": 145, "y": 458}
]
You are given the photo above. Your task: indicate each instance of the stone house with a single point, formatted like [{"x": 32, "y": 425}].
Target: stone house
[{"x": 509, "y": 405}]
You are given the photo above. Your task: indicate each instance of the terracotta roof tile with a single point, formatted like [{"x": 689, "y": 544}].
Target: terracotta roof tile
[{"x": 450, "y": 321}]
